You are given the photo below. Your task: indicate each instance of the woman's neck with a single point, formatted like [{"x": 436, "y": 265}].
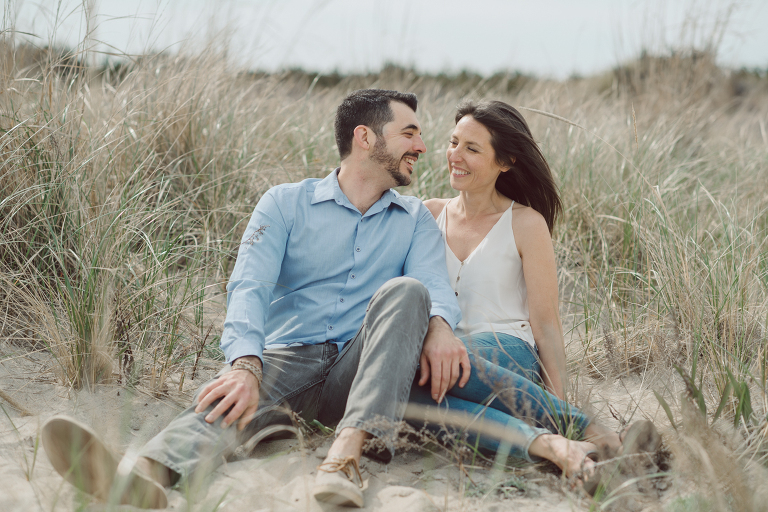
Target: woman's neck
[{"x": 477, "y": 203}]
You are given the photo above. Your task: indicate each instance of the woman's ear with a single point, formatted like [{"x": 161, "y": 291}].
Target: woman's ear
[{"x": 505, "y": 168}]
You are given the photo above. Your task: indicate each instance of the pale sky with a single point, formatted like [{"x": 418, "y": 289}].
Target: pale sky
[{"x": 553, "y": 38}]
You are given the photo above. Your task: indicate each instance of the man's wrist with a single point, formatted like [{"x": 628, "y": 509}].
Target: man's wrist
[
  {"x": 251, "y": 359},
  {"x": 251, "y": 364},
  {"x": 438, "y": 321}
]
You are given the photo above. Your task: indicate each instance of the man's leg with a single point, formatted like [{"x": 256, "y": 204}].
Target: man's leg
[
  {"x": 368, "y": 386},
  {"x": 189, "y": 445}
]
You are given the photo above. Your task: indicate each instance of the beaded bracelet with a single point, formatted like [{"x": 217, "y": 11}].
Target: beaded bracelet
[{"x": 242, "y": 364}]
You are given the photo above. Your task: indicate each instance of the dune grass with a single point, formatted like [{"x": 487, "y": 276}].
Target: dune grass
[{"x": 124, "y": 192}]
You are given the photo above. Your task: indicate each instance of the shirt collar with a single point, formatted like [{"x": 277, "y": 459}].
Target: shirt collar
[{"x": 328, "y": 189}]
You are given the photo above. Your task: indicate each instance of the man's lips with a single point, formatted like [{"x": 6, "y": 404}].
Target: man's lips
[{"x": 410, "y": 161}]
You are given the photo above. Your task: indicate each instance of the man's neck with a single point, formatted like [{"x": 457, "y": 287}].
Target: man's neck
[{"x": 362, "y": 186}]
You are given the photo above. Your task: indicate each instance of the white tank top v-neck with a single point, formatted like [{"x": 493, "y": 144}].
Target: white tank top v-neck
[{"x": 489, "y": 284}]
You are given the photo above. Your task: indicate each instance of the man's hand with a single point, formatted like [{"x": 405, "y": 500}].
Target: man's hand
[
  {"x": 237, "y": 387},
  {"x": 442, "y": 355}
]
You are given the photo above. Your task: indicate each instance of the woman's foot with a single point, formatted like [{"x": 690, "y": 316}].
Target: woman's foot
[{"x": 572, "y": 457}]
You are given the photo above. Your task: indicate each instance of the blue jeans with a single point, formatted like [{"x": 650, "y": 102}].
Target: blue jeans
[{"x": 504, "y": 389}]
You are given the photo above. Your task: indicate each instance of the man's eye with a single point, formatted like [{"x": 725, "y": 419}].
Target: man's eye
[{"x": 453, "y": 142}]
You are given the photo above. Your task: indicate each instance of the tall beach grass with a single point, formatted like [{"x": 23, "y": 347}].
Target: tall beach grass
[{"x": 124, "y": 191}]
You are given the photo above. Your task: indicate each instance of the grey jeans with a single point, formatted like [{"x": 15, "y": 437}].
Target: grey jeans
[{"x": 366, "y": 386}]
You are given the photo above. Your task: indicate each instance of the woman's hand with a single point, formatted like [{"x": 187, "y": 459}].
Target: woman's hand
[{"x": 238, "y": 388}]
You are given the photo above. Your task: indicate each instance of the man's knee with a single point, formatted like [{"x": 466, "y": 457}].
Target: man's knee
[{"x": 406, "y": 289}]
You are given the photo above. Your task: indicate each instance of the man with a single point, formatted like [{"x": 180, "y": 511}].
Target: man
[{"x": 338, "y": 292}]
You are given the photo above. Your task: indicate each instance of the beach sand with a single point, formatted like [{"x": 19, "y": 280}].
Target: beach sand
[{"x": 278, "y": 474}]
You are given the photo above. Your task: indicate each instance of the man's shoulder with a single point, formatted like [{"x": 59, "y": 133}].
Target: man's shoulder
[
  {"x": 411, "y": 204},
  {"x": 291, "y": 193},
  {"x": 287, "y": 189}
]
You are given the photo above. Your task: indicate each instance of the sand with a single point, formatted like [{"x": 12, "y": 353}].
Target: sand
[{"x": 277, "y": 476}]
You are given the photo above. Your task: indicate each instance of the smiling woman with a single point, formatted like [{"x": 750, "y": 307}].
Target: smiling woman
[{"x": 501, "y": 263}]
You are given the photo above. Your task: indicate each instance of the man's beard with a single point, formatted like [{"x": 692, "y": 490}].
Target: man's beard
[{"x": 380, "y": 155}]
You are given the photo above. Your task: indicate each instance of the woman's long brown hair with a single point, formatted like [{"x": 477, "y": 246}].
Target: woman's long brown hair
[{"x": 529, "y": 180}]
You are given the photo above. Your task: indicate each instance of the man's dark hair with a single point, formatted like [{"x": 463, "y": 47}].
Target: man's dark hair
[{"x": 367, "y": 107}]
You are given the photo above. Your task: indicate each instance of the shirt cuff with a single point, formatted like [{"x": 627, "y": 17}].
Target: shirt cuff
[
  {"x": 245, "y": 351},
  {"x": 445, "y": 315}
]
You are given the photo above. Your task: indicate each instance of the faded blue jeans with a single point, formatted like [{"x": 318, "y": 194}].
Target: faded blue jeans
[{"x": 504, "y": 390}]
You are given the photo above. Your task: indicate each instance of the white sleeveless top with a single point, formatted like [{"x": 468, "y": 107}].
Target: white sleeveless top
[{"x": 489, "y": 284}]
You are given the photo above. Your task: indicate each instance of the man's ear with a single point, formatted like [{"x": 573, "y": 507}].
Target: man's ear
[{"x": 364, "y": 137}]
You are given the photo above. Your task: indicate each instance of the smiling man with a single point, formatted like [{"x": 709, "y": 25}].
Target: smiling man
[{"x": 339, "y": 291}]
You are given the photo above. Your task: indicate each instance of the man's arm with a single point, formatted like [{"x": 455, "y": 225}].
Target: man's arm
[
  {"x": 249, "y": 295},
  {"x": 443, "y": 354},
  {"x": 250, "y": 287}
]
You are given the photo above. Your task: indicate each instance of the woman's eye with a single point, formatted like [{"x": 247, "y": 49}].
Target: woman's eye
[
  {"x": 472, "y": 150},
  {"x": 452, "y": 142}
]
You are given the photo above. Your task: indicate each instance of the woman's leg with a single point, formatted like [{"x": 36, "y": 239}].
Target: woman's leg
[
  {"x": 506, "y": 351},
  {"x": 518, "y": 356},
  {"x": 486, "y": 428},
  {"x": 501, "y": 385}
]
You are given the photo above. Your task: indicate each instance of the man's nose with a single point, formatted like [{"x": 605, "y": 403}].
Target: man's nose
[{"x": 419, "y": 145}]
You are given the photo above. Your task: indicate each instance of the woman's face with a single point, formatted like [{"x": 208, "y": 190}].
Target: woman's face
[{"x": 471, "y": 158}]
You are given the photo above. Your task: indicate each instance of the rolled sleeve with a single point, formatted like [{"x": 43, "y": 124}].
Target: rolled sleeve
[
  {"x": 426, "y": 262},
  {"x": 251, "y": 286}
]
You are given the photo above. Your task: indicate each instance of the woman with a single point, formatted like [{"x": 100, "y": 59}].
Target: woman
[{"x": 502, "y": 267}]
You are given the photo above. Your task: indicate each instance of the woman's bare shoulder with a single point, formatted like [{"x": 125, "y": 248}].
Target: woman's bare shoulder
[
  {"x": 527, "y": 222},
  {"x": 436, "y": 205}
]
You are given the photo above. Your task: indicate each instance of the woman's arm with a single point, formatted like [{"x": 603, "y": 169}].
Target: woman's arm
[{"x": 540, "y": 270}]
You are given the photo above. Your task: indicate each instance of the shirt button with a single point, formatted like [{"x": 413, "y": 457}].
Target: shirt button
[
  {"x": 330, "y": 327},
  {"x": 457, "y": 293},
  {"x": 341, "y": 299},
  {"x": 352, "y": 276},
  {"x": 357, "y": 249}
]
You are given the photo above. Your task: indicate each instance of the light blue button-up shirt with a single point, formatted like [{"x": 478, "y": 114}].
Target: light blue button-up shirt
[{"x": 309, "y": 263}]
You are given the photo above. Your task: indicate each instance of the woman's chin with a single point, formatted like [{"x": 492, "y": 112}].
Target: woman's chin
[{"x": 456, "y": 183}]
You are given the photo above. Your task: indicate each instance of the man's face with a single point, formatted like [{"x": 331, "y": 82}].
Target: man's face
[{"x": 400, "y": 144}]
